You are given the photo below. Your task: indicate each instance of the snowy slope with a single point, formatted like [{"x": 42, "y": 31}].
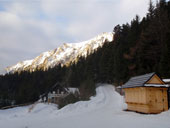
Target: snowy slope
[
  {"x": 102, "y": 111},
  {"x": 64, "y": 55}
]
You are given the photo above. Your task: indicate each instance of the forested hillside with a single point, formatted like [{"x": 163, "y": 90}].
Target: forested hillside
[{"x": 139, "y": 47}]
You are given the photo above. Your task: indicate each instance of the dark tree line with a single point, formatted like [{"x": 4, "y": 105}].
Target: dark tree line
[{"x": 140, "y": 47}]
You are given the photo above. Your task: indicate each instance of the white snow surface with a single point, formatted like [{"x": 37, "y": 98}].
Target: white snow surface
[
  {"x": 166, "y": 80},
  {"x": 105, "y": 110},
  {"x": 73, "y": 90}
]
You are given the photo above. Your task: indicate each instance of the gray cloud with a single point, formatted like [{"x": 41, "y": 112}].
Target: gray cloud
[{"x": 29, "y": 27}]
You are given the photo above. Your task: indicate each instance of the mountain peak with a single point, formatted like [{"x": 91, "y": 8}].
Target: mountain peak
[{"x": 64, "y": 55}]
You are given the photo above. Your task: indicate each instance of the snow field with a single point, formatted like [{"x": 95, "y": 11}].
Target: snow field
[{"x": 105, "y": 110}]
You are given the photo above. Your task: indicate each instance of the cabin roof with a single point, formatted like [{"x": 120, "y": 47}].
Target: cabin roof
[
  {"x": 138, "y": 81},
  {"x": 55, "y": 86},
  {"x": 59, "y": 86}
]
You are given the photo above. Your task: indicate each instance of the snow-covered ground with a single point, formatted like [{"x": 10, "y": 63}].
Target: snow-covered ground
[{"x": 102, "y": 111}]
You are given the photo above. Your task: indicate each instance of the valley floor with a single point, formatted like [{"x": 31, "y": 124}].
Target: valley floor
[{"x": 105, "y": 110}]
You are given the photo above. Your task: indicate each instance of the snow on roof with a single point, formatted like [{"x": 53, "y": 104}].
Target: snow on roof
[
  {"x": 166, "y": 80},
  {"x": 156, "y": 85},
  {"x": 119, "y": 87},
  {"x": 73, "y": 90}
]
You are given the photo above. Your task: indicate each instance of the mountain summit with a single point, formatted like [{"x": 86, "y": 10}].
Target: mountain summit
[{"x": 64, "y": 55}]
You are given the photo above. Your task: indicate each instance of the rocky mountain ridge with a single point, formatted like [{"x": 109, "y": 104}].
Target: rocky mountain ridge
[{"x": 64, "y": 55}]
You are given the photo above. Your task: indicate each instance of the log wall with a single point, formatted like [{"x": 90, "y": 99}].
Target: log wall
[{"x": 146, "y": 99}]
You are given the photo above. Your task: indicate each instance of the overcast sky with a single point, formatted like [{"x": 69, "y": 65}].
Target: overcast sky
[{"x": 30, "y": 27}]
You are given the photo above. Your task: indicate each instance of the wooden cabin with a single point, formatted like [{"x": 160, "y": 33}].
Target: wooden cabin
[
  {"x": 56, "y": 93},
  {"x": 146, "y": 94}
]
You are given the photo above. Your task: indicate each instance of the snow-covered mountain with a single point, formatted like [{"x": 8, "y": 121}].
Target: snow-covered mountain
[{"x": 64, "y": 55}]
